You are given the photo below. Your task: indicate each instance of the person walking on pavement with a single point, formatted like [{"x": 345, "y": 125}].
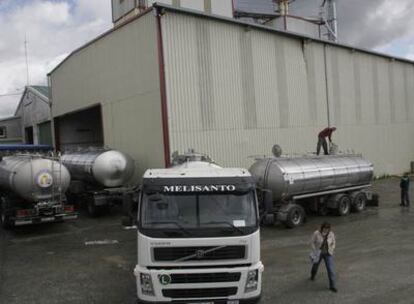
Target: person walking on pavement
[
  {"x": 327, "y": 132},
  {"x": 323, "y": 247},
  {"x": 405, "y": 188}
]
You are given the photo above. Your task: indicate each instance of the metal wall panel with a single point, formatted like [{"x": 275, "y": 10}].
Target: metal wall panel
[
  {"x": 266, "y": 88},
  {"x": 121, "y": 7},
  {"x": 370, "y": 108},
  {"x": 246, "y": 79},
  {"x": 120, "y": 71},
  {"x": 12, "y": 127}
]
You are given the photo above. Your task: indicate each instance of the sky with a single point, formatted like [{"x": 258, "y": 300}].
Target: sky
[{"x": 54, "y": 28}]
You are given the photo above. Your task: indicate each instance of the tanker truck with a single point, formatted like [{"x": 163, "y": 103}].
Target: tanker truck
[
  {"x": 198, "y": 234},
  {"x": 99, "y": 178},
  {"x": 32, "y": 190},
  {"x": 288, "y": 186}
]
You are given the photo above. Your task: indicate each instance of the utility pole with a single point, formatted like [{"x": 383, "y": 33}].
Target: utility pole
[
  {"x": 27, "y": 62},
  {"x": 23, "y": 119}
]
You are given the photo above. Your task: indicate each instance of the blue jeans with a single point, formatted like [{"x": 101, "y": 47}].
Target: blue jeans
[{"x": 328, "y": 259}]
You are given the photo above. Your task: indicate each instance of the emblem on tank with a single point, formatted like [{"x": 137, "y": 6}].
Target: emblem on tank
[
  {"x": 200, "y": 254},
  {"x": 44, "y": 179},
  {"x": 165, "y": 279}
]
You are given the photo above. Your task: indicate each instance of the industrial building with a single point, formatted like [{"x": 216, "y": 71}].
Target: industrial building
[
  {"x": 171, "y": 79},
  {"x": 10, "y": 132},
  {"x": 34, "y": 111}
]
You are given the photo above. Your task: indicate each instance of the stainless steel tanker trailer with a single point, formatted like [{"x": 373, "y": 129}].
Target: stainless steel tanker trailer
[
  {"x": 290, "y": 185},
  {"x": 99, "y": 178},
  {"x": 32, "y": 188}
]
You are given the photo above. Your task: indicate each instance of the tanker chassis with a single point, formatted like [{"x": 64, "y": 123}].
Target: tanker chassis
[
  {"x": 289, "y": 186},
  {"x": 98, "y": 178},
  {"x": 198, "y": 236},
  {"x": 31, "y": 191}
]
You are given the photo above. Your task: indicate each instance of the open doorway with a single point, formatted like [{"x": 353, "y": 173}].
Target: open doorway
[
  {"x": 28, "y": 135},
  {"x": 82, "y": 129}
]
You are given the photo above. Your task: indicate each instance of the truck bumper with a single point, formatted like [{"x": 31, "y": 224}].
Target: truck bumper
[
  {"x": 43, "y": 219},
  {"x": 199, "y": 285},
  {"x": 237, "y": 301}
]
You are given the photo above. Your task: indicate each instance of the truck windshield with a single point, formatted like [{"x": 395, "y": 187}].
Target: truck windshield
[{"x": 197, "y": 215}]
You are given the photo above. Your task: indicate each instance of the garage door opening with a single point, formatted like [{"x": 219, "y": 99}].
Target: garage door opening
[{"x": 82, "y": 129}]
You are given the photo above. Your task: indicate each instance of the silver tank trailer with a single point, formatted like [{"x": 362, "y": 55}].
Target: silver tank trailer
[
  {"x": 33, "y": 178},
  {"x": 290, "y": 176},
  {"x": 110, "y": 168}
]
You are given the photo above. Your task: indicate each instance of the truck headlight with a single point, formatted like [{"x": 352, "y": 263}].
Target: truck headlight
[
  {"x": 146, "y": 284},
  {"x": 252, "y": 280}
]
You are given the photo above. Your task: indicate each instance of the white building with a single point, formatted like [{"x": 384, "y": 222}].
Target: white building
[{"x": 172, "y": 79}]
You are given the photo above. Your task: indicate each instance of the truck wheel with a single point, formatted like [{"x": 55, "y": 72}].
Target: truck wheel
[
  {"x": 4, "y": 216},
  {"x": 359, "y": 202},
  {"x": 269, "y": 219},
  {"x": 295, "y": 216},
  {"x": 127, "y": 221},
  {"x": 93, "y": 210},
  {"x": 344, "y": 205}
]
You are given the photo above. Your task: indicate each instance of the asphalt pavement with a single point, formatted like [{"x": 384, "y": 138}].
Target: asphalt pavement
[{"x": 91, "y": 260}]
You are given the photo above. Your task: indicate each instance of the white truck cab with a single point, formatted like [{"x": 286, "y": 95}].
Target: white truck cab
[{"x": 198, "y": 236}]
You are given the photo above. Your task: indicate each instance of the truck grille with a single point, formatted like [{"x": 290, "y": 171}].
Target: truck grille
[
  {"x": 199, "y": 293},
  {"x": 205, "y": 277},
  {"x": 199, "y": 253}
]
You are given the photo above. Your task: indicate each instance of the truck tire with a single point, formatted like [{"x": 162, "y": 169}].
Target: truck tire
[
  {"x": 295, "y": 216},
  {"x": 127, "y": 221},
  {"x": 93, "y": 210},
  {"x": 4, "y": 215},
  {"x": 268, "y": 219},
  {"x": 343, "y": 205},
  {"x": 359, "y": 201}
]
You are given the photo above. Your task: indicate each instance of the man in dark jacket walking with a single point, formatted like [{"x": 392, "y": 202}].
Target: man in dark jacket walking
[
  {"x": 327, "y": 132},
  {"x": 405, "y": 188}
]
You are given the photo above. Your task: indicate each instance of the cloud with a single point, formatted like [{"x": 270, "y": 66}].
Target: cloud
[
  {"x": 53, "y": 29},
  {"x": 371, "y": 24},
  {"x": 382, "y": 25}
]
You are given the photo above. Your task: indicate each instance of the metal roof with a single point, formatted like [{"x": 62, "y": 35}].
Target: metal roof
[
  {"x": 195, "y": 13},
  {"x": 44, "y": 90},
  {"x": 9, "y": 118}
]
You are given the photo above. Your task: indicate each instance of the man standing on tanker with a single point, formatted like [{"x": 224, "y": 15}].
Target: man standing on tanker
[{"x": 327, "y": 132}]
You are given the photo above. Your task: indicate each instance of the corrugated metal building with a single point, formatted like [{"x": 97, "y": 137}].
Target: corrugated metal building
[
  {"x": 10, "y": 130},
  {"x": 172, "y": 79},
  {"x": 34, "y": 111},
  {"x": 123, "y": 10}
]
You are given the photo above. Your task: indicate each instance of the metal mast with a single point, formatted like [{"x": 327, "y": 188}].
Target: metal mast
[
  {"x": 27, "y": 62},
  {"x": 331, "y": 20}
]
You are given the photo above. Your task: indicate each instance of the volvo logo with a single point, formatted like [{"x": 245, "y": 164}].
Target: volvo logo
[
  {"x": 165, "y": 279},
  {"x": 200, "y": 254}
]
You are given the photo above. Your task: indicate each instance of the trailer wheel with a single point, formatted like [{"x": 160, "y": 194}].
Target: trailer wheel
[
  {"x": 359, "y": 202},
  {"x": 344, "y": 205},
  {"x": 93, "y": 210},
  {"x": 4, "y": 216},
  {"x": 295, "y": 216}
]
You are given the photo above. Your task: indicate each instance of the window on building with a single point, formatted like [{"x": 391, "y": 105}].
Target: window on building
[{"x": 3, "y": 132}]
